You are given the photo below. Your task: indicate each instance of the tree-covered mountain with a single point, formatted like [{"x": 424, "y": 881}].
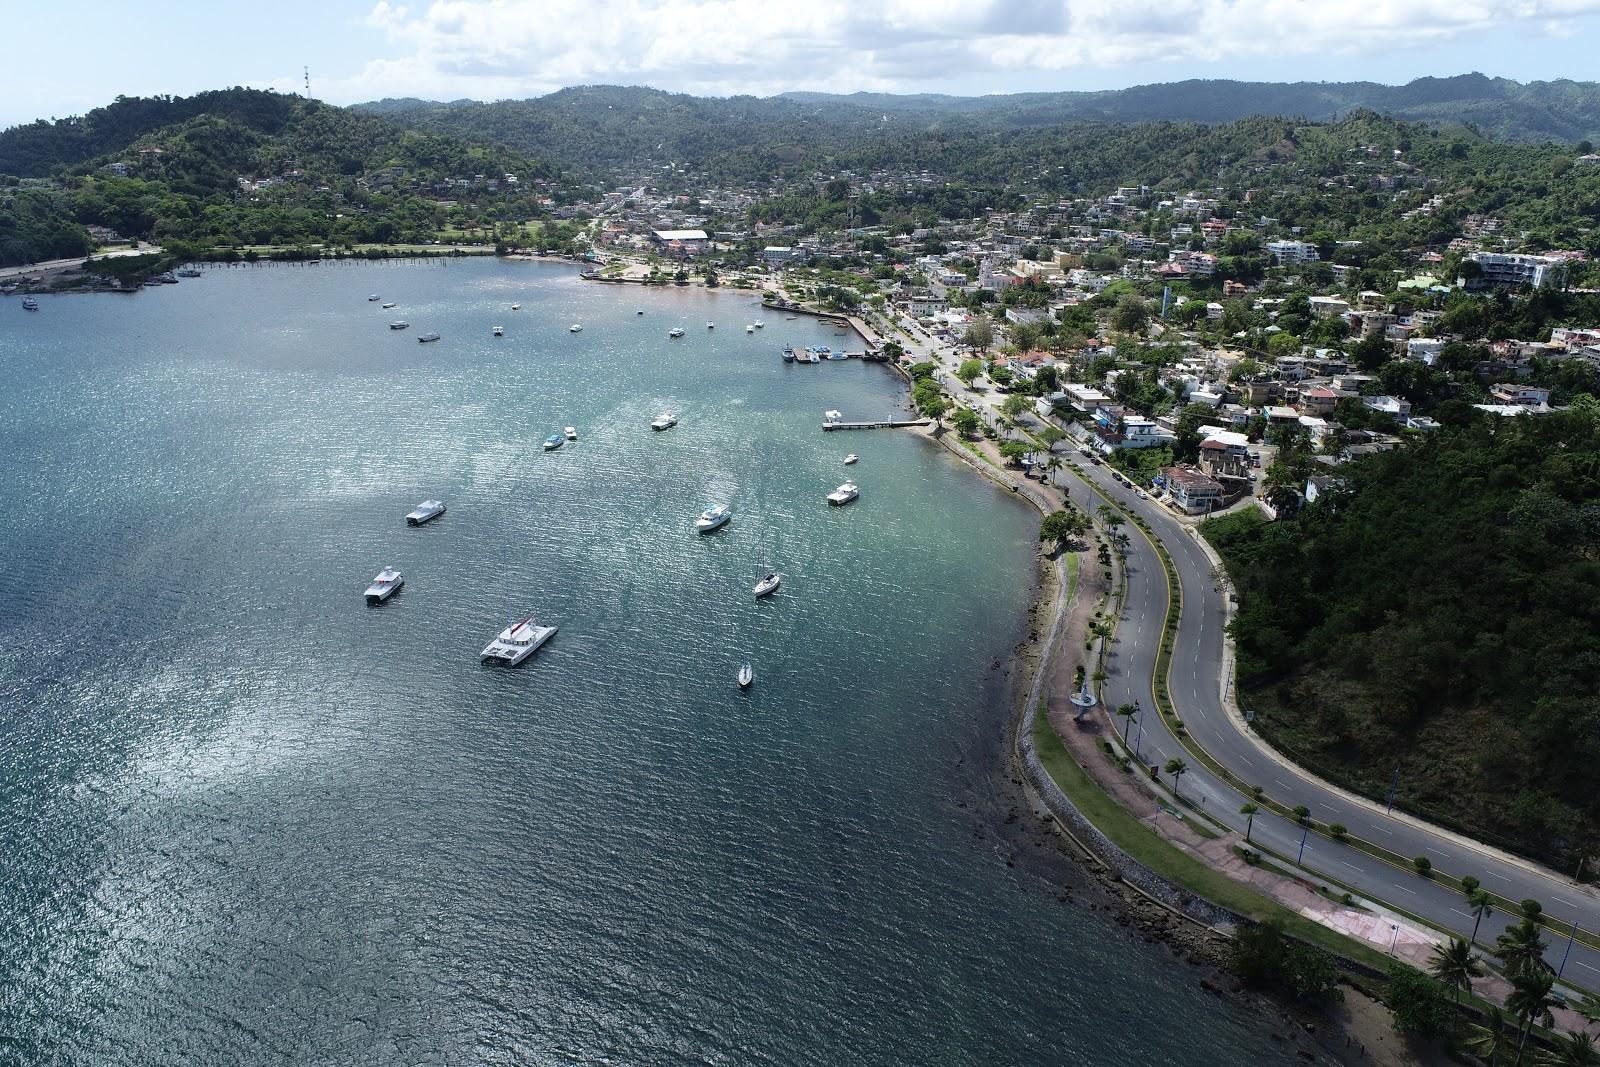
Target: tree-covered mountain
[
  {"x": 603, "y": 127},
  {"x": 1438, "y": 613},
  {"x": 1500, "y": 108},
  {"x": 242, "y": 166}
]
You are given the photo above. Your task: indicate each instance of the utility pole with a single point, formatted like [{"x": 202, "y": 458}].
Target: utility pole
[{"x": 1393, "y": 785}]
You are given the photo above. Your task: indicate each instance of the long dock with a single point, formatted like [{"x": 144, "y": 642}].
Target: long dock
[{"x": 873, "y": 424}]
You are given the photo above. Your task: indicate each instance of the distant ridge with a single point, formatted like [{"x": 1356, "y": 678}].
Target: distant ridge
[{"x": 1498, "y": 108}]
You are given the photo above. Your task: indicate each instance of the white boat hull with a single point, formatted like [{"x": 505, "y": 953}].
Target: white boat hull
[{"x": 513, "y": 653}]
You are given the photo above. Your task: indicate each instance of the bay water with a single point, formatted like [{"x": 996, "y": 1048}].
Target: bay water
[{"x": 245, "y": 818}]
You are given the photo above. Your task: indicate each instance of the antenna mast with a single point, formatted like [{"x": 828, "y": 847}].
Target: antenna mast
[{"x": 308, "y": 82}]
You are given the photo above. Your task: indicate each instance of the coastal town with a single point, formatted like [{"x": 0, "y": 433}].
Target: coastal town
[{"x": 1308, "y": 426}]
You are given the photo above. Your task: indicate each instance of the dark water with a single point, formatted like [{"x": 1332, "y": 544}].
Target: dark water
[{"x": 246, "y": 819}]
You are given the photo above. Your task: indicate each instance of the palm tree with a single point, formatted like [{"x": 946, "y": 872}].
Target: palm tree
[
  {"x": 1587, "y": 1006},
  {"x": 1127, "y": 711},
  {"x": 1176, "y": 767},
  {"x": 1455, "y": 966},
  {"x": 1490, "y": 1041},
  {"x": 1482, "y": 907},
  {"x": 1249, "y": 813},
  {"x": 1572, "y": 1050},
  {"x": 1530, "y": 1001},
  {"x": 1521, "y": 949}
]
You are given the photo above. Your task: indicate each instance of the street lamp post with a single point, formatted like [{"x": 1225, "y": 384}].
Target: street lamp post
[
  {"x": 1570, "y": 939},
  {"x": 1305, "y": 831}
]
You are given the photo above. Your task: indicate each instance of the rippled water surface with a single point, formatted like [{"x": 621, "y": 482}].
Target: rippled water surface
[{"x": 247, "y": 819}]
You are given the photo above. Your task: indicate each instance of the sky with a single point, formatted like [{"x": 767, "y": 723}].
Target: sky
[{"x": 66, "y": 56}]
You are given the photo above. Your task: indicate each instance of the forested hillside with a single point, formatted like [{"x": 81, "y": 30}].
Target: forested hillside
[
  {"x": 171, "y": 170},
  {"x": 1498, "y": 107},
  {"x": 1439, "y": 614}
]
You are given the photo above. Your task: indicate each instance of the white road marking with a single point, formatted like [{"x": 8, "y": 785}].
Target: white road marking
[
  {"x": 1567, "y": 902},
  {"x": 1413, "y": 892},
  {"x": 1381, "y": 830},
  {"x": 1580, "y": 963},
  {"x": 1352, "y": 866},
  {"x": 1436, "y": 852}
]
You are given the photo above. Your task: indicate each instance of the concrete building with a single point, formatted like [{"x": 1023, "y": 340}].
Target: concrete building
[{"x": 1191, "y": 491}]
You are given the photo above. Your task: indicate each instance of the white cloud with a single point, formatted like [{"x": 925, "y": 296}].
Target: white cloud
[{"x": 508, "y": 48}]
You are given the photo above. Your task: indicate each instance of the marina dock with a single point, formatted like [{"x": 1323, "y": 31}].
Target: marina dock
[{"x": 874, "y": 424}]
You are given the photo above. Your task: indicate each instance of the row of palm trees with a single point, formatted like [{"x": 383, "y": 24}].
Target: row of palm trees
[{"x": 1520, "y": 950}]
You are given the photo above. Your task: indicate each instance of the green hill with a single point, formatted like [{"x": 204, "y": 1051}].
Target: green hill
[{"x": 1439, "y": 616}]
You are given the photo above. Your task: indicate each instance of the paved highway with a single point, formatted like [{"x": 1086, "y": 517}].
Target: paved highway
[{"x": 1196, "y": 691}]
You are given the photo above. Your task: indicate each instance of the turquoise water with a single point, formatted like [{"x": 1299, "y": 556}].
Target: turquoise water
[{"x": 249, "y": 819}]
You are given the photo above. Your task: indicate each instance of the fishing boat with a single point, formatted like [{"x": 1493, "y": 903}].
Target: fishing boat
[
  {"x": 788, "y": 353},
  {"x": 425, "y": 512}
]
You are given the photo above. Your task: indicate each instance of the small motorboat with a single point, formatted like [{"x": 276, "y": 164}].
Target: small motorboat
[
  {"x": 425, "y": 338},
  {"x": 676, "y": 331},
  {"x": 389, "y": 305},
  {"x": 749, "y": 329},
  {"x": 575, "y": 328},
  {"x": 713, "y": 518},
  {"x": 638, "y": 311},
  {"x": 374, "y": 296},
  {"x": 516, "y": 307},
  {"x": 768, "y": 585},
  {"x": 553, "y": 442},
  {"x": 747, "y": 676},
  {"x": 401, "y": 325},
  {"x": 851, "y": 458},
  {"x": 571, "y": 433},
  {"x": 759, "y": 324},
  {"x": 711, "y": 326},
  {"x": 499, "y": 331},
  {"x": 664, "y": 422}
]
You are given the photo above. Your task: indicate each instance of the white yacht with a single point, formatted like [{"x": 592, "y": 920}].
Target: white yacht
[
  {"x": 844, "y": 494},
  {"x": 747, "y": 676},
  {"x": 575, "y": 328},
  {"x": 553, "y": 442},
  {"x": 426, "y": 511},
  {"x": 517, "y": 642},
  {"x": 851, "y": 458},
  {"x": 571, "y": 433},
  {"x": 499, "y": 331},
  {"x": 30, "y": 304},
  {"x": 425, "y": 338},
  {"x": 385, "y": 585},
  {"x": 664, "y": 422},
  {"x": 713, "y": 518},
  {"x": 676, "y": 331},
  {"x": 374, "y": 297},
  {"x": 400, "y": 325},
  {"x": 769, "y": 584},
  {"x": 516, "y": 307}
]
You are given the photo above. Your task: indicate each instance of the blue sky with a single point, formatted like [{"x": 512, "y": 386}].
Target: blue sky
[{"x": 64, "y": 58}]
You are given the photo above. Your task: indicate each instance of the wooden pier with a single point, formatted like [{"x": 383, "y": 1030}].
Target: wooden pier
[{"x": 874, "y": 424}]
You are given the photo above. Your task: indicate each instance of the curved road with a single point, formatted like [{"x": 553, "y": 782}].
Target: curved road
[{"x": 1196, "y": 691}]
